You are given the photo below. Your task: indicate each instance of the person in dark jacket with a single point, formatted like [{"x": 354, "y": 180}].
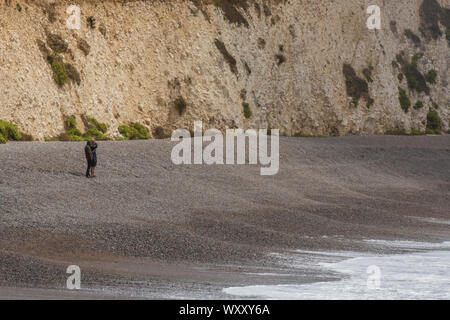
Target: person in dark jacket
[
  {"x": 94, "y": 157},
  {"x": 89, "y": 157}
]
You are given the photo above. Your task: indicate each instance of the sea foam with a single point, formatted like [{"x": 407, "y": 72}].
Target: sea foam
[{"x": 421, "y": 273}]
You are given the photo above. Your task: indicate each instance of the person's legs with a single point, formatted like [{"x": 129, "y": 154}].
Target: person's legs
[
  {"x": 93, "y": 165},
  {"x": 88, "y": 173}
]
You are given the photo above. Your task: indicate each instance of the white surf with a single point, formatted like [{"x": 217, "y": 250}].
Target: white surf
[{"x": 421, "y": 273}]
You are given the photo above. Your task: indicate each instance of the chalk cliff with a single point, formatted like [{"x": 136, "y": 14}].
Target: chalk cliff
[{"x": 303, "y": 66}]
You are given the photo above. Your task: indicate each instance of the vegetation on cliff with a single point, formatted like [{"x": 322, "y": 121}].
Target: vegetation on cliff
[
  {"x": 9, "y": 131},
  {"x": 431, "y": 13},
  {"x": 433, "y": 122},
  {"x": 290, "y": 80},
  {"x": 357, "y": 87},
  {"x": 94, "y": 129},
  {"x": 180, "y": 105},
  {"x": 404, "y": 100},
  {"x": 247, "y": 111},
  {"x": 135, "y": 131}
]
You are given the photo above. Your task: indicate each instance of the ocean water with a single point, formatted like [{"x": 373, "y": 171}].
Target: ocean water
[{"x": 423, "y": 272}]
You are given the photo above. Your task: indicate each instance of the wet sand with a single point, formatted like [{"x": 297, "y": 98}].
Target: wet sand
[{"x": 147, "y": 228}]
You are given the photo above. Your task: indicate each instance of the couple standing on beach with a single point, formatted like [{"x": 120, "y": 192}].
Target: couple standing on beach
[{"x": 91, "y": 156}]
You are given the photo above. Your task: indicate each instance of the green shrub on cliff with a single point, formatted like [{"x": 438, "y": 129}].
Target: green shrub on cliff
[
  {"x": 416, "y": 80},
  {"x": 2, "y": 139},
  {"x": 62, "y": 72},
  {"x": 356, "y": 87},
  {"x": 59, "y": 70},
  {"x": 94, "y": 132},
  {"x": 418, "y": 105},
  {"x": 433, "y": 122},
  {"x": 9, "y": 131},
  {"x": 92, "y": 122},
  {"x": 70, "y": 123},
  {"x": 412, "y": 36},
  {"x": 95, "y": 129},
  {"x": 68, "y": 137},
  {"x": 417, "y": 133},
  {"x": 247, "y": 110},
  {"x": 180, "y": 105},
  {"x": 135, "y": 131},
  {"x": 72, "y": 132},
  {"x": 431, "y": 76},
  {"x": 405, "y": 102}
]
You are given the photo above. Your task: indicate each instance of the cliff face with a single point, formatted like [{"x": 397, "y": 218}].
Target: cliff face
[{"x": 302, "y": 66}]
